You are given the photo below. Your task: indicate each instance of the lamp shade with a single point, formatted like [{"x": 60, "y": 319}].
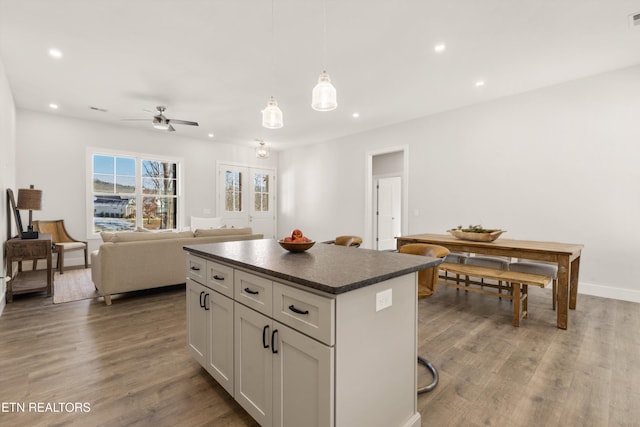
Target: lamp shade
[
  {"x": 29, "y": 199},
  {"x": 272, "y": 115},
  {"x": 323, "y": 97}
]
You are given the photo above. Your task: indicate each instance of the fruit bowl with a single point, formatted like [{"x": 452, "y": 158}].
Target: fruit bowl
[{"x": 296, "y": 247}]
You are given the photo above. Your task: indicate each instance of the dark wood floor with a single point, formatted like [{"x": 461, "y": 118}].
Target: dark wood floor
[{"x": 129, "y": 363}]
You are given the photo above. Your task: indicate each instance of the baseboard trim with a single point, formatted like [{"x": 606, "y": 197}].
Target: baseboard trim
[{"x": 611, "y": 292}]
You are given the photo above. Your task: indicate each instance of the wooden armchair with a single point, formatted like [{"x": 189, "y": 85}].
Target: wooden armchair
[{"x": 62, "y": 240}]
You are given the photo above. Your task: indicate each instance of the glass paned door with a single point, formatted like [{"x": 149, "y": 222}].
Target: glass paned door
[{"x": 246, "y": 198}]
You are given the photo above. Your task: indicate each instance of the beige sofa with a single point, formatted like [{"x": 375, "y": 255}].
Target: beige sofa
[{"x": 132, "y": 261}]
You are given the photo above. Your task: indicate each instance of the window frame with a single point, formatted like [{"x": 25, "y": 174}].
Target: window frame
[{"x": 138, "y": 194}]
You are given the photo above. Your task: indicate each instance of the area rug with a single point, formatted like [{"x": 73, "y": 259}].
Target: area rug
[{"x": 73, "y": 285}]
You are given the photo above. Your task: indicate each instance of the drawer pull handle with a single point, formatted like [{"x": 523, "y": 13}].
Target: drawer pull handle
[
  {"x": 221, "y": 278},
  {"x": 201, "y": 303},
  {"x": 265, "y": 330},
  {"x": 194, "y": 268},
  {"x": 274, "y": 350},
  {"x": 252, "y": 292},
  {"x": 297, "y": 310}
]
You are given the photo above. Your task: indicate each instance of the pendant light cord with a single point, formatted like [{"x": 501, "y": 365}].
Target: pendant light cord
[
  {"x": 273, "y": 48},
  {"x": 324, "y": 34}
]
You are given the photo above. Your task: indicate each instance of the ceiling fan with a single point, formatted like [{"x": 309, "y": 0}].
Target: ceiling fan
[{"x": 162, "y": 122}]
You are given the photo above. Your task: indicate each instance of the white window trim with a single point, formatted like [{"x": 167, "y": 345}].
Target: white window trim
[{"x": 91, "y": 151}]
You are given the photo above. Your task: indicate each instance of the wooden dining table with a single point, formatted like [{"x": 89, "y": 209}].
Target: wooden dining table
[{"x": 565, "y": 255}]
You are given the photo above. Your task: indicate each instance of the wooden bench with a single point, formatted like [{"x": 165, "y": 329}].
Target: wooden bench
[{"x": 516, "y": 283}]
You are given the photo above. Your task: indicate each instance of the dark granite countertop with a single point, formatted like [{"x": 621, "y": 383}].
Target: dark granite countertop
[{"x": 327, "y": 268}]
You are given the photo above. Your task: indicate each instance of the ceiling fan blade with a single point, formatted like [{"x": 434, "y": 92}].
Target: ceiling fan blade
[
  {"x": 183, "y": 122},
  {"x": 144, "y": 120},
  {"x": 171, "y": 129}
]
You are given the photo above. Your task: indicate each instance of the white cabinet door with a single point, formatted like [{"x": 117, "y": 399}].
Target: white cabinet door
[
  {"x": 253, "y": 363},
  {"x": 303, "y": 380},
  {"x": 197, "y": 324},
  {"x": 219, "y": 311}
]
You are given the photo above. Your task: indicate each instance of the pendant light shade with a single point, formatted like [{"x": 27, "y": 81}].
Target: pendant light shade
[
  {"x": 323, "y": 97},
  {"x": 272, "y": 115}
]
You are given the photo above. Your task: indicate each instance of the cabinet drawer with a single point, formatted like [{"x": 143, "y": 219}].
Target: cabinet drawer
[
  {"x": 253, "y": 291},
  {"x": 196, "y": 269},
  {"x": 220, "y": 278},
  {"x": 309, "y": 313}
]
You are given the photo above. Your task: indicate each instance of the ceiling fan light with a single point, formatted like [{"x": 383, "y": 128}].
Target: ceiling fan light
[
  {"x": 323, "y": 97},
  {"x": 272, "y": 115},
  {"x": 160, "y": 124}
]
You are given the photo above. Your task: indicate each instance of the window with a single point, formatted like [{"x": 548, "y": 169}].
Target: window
[{"x": 130, "y": 191}]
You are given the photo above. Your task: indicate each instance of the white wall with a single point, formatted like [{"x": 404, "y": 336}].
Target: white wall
[
  {"x": 560, "y": 164},
  {"x": 51, "y": 154},
  {"x": 7, "y": 167}
]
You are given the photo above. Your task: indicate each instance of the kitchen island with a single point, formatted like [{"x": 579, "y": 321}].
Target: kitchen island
[{"x": 326, "y": 337}]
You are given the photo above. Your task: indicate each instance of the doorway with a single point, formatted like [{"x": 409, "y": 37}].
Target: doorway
[
  {"x": 246, "y": 198},
  {"x": 386, "y": 197}
]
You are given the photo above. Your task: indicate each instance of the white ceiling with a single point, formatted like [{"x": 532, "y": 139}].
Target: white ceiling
[{"x": 213, "y": 61}]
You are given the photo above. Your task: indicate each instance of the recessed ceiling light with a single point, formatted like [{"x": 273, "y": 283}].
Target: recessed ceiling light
[
  {"x": 355, "y": 115},
  {"x": 56, "y": 53},
  {"x": 480, "y": 83},
  {"x": 210, "y": 135},
  {"x": 53, "y": 106},
  {"x": 439, "y": 48}
]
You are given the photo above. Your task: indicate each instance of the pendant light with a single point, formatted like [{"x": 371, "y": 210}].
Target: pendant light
[
  {"x": 262, "y": 151},
  {"x": 272, "y": 115},
  {"x": 323, "y": 96}
]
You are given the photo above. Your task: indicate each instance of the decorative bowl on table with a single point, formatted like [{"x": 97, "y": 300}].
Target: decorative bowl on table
[
  {"x": 296, "y": 246},
  {"x": 476, "y": 234}
]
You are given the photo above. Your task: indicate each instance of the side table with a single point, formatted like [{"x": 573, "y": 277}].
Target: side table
[{"x": 18, "y": 250}]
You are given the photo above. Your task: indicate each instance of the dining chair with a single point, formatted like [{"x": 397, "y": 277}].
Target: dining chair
[
  {"x": 62, "y": 240},
  {"x": 499, "y": 263},
  {"x": 543, "y": 268}
]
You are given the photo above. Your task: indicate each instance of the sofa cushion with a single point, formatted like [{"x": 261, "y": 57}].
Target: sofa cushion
[
  {"x": 135, "y": 237},
  {"x": 222, "y": 232}
]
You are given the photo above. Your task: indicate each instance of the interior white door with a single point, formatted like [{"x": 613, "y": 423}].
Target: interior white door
[
  {"x": 246, "y": 198},
  {"x": 388, "y": 212}
]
